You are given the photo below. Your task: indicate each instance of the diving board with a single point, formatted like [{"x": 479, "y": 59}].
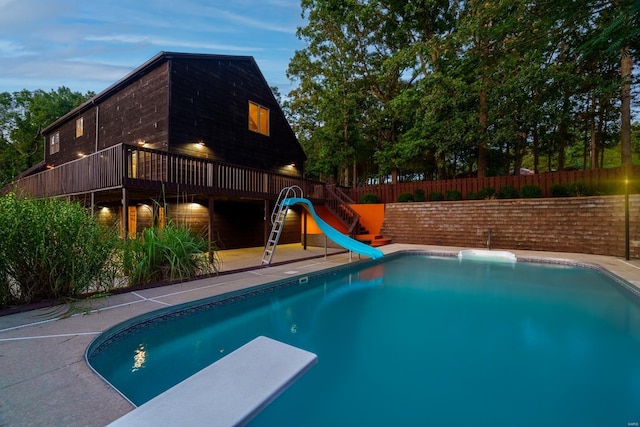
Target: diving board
[
  {"x": 333, "y": 234},
  {"x": 229, "y": 392}
]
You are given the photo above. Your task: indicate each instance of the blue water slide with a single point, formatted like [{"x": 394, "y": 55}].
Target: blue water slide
[{"x": 333, "y": 234}]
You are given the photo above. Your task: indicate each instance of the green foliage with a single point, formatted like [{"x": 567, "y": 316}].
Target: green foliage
[
  {"x": 452, "y": 195},
  {"x": 431, "y": 90},
  {"x": 578, "y": 189},
  {"x": 168, "y": 253},
  {"x": 436, "y": 196},
  {"x": 609, "y": 188},
  {"x": 369, "y": 198},
  {"x": 405, "y": 197},
  {"x": 419, "y": 195},
  {"x": 473, "y": 195},
  {"x": 507, "y": 192},
  {"x": 51, "y": 249},
  {"x": 559, "y": 190},
  {"x": 530, "y": 191},
  {"x": 23, "y": 116},
  {"x": 482, "y": 194}
]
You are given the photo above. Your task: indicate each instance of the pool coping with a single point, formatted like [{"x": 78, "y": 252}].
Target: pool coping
[{"x": 44, "y": 378}]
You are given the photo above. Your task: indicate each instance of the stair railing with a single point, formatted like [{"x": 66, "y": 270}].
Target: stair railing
[{"x": 338, "y": 204}]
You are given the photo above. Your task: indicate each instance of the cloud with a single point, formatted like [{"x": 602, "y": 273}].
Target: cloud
[
  {"x": 90, "y": 45},
  {"x": 244, "y": 20},
  {"x": 10, "y": 48},
  {"x": 164, "y": 42}
]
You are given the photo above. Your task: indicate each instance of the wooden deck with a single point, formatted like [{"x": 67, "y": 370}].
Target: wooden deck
[{"x": 137, "y": 168}]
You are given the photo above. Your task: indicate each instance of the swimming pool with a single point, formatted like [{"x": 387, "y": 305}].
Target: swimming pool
[{"x": 414, "y": 340}]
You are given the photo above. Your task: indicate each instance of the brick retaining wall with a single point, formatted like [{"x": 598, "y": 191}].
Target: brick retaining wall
[{"x": 593, "y": 225}]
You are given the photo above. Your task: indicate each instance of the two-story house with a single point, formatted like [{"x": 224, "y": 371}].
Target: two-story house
[{"x": 196, "y": 138}]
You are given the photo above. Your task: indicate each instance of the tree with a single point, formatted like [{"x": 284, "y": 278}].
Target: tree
[
  {"x": 434, "y": 88},
  {"x": 23, "y": 116}
]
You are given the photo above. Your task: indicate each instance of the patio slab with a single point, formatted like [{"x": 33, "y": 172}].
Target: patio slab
[{"x": 44, "y": 379}]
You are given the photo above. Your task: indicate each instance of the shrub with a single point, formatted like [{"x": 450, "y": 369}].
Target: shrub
[
  {"x": 530, "y": 191},
  {"x": 52, "y": 249},
  {"x": 559, "y": 190},
  {"x": 369, "y": 198},
  {"x": 405, "y": 197},
  {"x": 472, "y": 195},
  {"x": 608, "y": 188},
  {"x": 452, "y": 195},
  {"x": 419, "y": 195},
  {"x": 435, "y": 196},
  {"x": 168, "y": 253},
  {"x": 507, "y": 192},
  {"x": 578, "y": 189},
  {"x": 486, "y": 193}
]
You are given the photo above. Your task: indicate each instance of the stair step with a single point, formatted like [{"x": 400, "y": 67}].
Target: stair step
[{"x": 373, "y": 239}]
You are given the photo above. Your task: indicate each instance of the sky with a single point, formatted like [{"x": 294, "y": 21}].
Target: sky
[{"x": 87, "y": 45}]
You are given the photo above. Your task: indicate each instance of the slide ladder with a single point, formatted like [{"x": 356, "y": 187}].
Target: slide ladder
[{"x": 278, "y": 216}]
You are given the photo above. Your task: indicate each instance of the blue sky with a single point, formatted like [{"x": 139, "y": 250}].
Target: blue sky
[{"x": 90, "y": 44}]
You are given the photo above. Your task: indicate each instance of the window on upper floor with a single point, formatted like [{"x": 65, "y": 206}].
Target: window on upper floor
[
  {"x": 54, "y": 143},
  {"x": 79, "y": 127},
  {"x": 258, "y": 118}
]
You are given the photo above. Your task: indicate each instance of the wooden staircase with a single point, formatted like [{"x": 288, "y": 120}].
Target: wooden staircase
[{"x": 337, "y": 203}]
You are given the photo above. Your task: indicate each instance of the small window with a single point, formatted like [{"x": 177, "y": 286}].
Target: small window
[
  {"x": 54, "y": 143},
  {"x": 79, "y": 127},
  {"x": 258, "y": 118}
]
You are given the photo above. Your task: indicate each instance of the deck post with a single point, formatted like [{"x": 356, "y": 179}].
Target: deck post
[
  {"x": 304, "y": 229},
  {"x": 210, "y": 236},
  {"x": 267, "y": 222},
  {"x": 125, "y": 213}
]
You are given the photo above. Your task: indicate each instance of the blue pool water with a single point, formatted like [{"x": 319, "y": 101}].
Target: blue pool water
[{"x": 416, "y": 340}]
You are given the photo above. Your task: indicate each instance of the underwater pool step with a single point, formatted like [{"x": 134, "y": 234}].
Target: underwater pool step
[
  {"x": 228, "y": 392},
  {"x": 487, "y": 255}
]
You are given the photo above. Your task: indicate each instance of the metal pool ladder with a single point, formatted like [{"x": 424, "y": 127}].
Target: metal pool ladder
[{"x": 278, "y": 216}]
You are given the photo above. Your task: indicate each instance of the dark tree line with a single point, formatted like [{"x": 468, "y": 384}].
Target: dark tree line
[
  {"x": 434, "y": 89},
  {"x": 23, "y": 116}
]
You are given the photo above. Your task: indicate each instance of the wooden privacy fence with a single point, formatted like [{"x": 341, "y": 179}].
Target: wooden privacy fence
[{"x": 609, "y": 181}]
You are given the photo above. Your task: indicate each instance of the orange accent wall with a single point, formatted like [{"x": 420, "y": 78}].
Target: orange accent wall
[
  {"x": 371, "y": 217},
  {"x": 312, "y": 227}
]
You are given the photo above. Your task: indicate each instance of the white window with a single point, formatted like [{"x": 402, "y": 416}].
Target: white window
[{"x": 54, "y": 143}]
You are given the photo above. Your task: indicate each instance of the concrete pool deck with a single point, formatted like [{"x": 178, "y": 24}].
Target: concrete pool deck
[{"x": 44, "y": 379}]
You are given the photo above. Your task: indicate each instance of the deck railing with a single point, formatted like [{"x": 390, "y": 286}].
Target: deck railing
[
  {"x": 130, "y": 166},
  {"x": 100, "y": 171}
]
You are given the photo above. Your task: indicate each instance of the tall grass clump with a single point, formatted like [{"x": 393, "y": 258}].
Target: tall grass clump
[
  {"x": 51, "y": 249},
  {"x": 169, "y": 253}
]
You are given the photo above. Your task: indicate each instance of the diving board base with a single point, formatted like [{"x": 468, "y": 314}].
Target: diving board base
[{"x": 229, "y": 392}]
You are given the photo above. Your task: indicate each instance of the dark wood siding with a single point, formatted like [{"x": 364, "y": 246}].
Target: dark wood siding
[
  {"x": 72, "y": 147},
  {"x": 137, "y": 112},
  {"x": 238, "y": 225},
  {"x": 292, "y": 230},
  {"x": 241, "y": 225},
  {"x": 210, "y": 103},
  {"x": 194, "y": 215}
]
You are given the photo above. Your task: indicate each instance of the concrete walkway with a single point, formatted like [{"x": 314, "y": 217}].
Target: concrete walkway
[{"x": 44, "y": 379}]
